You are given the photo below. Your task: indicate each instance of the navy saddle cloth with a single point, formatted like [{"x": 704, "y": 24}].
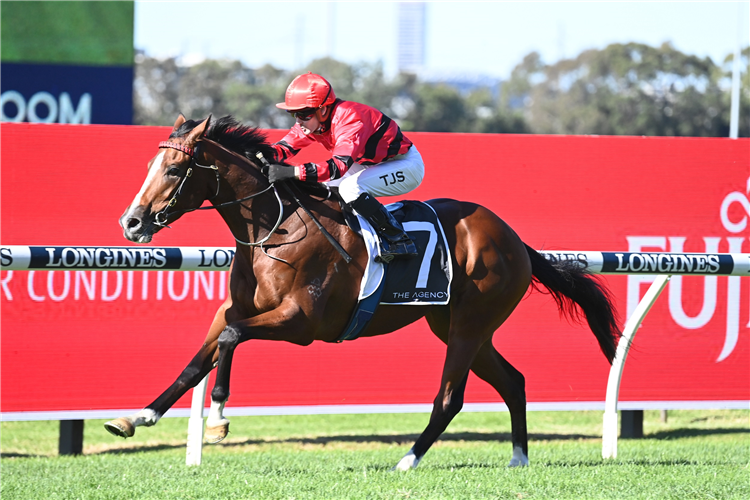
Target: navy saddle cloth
[{"x": 420, "y": 280}]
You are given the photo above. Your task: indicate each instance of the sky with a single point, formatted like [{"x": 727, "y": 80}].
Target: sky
[{"x": 471, "y": 38}]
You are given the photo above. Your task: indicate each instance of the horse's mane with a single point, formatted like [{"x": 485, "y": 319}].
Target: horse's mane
[
  {"x": 233, "y": 135},
  {"x": 246, "y": 141}
]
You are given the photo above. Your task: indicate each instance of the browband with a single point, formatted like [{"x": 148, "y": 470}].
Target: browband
[{"x": 179, "y": 147}]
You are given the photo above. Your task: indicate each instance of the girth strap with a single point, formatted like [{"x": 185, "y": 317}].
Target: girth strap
[{"x": 363, "y": 313}]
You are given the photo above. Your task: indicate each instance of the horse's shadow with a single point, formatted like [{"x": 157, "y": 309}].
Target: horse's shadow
[
  {"x": 408, "y": 439},
  {"x": 402, "y": 439},
  {"x": 20, "y": 455},
  {"x": 684, "y": 433},
  {"x": 391, "y": 439}
]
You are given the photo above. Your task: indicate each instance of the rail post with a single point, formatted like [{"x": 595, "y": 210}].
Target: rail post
[
  {"x": 71, "y": 437},
  {"x": 194, "y": 451},
  {"x": 609, "y": 430}
]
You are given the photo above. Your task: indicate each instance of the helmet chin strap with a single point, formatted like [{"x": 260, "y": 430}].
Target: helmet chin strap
[
  {"x": 322, "y": 128},
  {"x": 319, "y": 115}
]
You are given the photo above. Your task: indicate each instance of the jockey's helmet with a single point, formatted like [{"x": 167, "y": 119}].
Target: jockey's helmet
[{"x": 307, "y": 91}]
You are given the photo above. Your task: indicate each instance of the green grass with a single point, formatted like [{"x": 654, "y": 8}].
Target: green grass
[{"x": 695, "y": 454}]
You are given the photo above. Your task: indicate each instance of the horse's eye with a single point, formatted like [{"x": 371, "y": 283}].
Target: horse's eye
[{"x": 173, "y": 171}]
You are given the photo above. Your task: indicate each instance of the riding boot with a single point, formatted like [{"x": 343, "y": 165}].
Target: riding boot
[{"x": 394, "y": 242}]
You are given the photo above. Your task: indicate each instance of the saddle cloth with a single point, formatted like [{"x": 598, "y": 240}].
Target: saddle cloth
[{"x": 420, "y": 280}]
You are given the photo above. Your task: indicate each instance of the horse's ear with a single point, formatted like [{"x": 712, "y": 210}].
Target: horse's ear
[
  {"x": 180, "y": 120},
  {"x": 198, "y": 131}
]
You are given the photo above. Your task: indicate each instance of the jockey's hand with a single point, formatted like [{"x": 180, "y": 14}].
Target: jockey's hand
[{"x": 280, "y": 172}]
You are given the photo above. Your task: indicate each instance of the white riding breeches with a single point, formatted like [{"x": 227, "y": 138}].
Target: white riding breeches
[{"x": 399, "y": 175}]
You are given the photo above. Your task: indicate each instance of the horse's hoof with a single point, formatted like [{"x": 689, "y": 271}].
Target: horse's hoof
[
  {"x": 120, "y": 427},
  {"x": 519, "y": 458},
  {"x": 410, "y": 461},
  {"x": 518, "y": 463},
  {"x": 216, "y": 433}
]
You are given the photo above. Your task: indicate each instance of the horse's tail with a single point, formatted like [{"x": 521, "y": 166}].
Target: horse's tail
[{"x": 571, "y": 285}]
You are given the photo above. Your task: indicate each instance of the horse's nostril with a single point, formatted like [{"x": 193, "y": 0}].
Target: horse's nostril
[{"x": 133, "y": 223}]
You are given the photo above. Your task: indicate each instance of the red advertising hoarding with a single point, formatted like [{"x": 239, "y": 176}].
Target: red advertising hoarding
[{"x": 93, "y": 340}]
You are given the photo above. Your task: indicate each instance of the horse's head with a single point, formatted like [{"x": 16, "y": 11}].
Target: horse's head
[{"x": 157, "y": 203}]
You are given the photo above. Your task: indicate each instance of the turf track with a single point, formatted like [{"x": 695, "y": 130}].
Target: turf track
[{"x": 695, "y": 454}]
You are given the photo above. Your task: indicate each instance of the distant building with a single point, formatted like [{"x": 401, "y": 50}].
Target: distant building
[
  {"x": 411, "y": 36},
  {"x": 412, "y": 27}
]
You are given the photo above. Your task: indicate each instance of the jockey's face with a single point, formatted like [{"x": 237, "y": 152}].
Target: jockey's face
[{"x": 310, "y": 123}]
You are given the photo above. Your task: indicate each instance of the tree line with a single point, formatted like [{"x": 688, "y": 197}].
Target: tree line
[{"x": 623, "y": 89}]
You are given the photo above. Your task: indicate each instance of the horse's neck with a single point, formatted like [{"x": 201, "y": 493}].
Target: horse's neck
[
  {"x": 218, "y": 153},
  {"x": 240, "y": 178}
]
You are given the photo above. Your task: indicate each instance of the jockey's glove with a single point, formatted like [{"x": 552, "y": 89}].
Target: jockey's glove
[{"x": 280, "y": 172}]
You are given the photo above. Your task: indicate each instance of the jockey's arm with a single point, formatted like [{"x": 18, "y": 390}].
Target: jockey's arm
[
  {"x": 346, "y": 136},
  {"x": 347, "y": 145},
  {"x": 290, "y": 145}
]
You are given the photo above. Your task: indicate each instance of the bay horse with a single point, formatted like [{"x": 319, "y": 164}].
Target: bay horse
[{"x": 280, "y": 253}]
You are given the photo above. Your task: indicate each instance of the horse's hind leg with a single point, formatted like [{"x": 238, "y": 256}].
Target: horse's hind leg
[
  {"x": 194, "y": 372},
  {"x": 470, "y": 346},
  {"x": 491, "y": 367},
  {"x": 450, "y": 399}
]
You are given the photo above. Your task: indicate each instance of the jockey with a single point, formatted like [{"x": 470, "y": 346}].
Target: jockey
[{"x": 370, "y": 156}]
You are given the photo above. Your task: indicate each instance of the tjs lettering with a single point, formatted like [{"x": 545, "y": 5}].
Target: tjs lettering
[{"x": 393, "y": 178}]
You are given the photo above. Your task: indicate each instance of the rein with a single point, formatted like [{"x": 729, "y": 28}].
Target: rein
[
  {"x": 161, "y": 218},
  {"x": 321, "y": 228}
]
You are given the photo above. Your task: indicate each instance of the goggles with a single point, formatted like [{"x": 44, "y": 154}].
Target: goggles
[{"x": 304, "y": 114}]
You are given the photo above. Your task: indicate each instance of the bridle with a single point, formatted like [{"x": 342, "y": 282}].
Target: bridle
[{"x": 160, "y": 219}]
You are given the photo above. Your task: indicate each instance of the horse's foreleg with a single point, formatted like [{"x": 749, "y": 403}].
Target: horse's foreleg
[
  {"x": 194, "y": 372},
  {"x": 450, "y": 398},
  {"x": 288, "y": 323},
  {"x": 491, "y": 367},
  {"x": 217, "y": 426}
]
